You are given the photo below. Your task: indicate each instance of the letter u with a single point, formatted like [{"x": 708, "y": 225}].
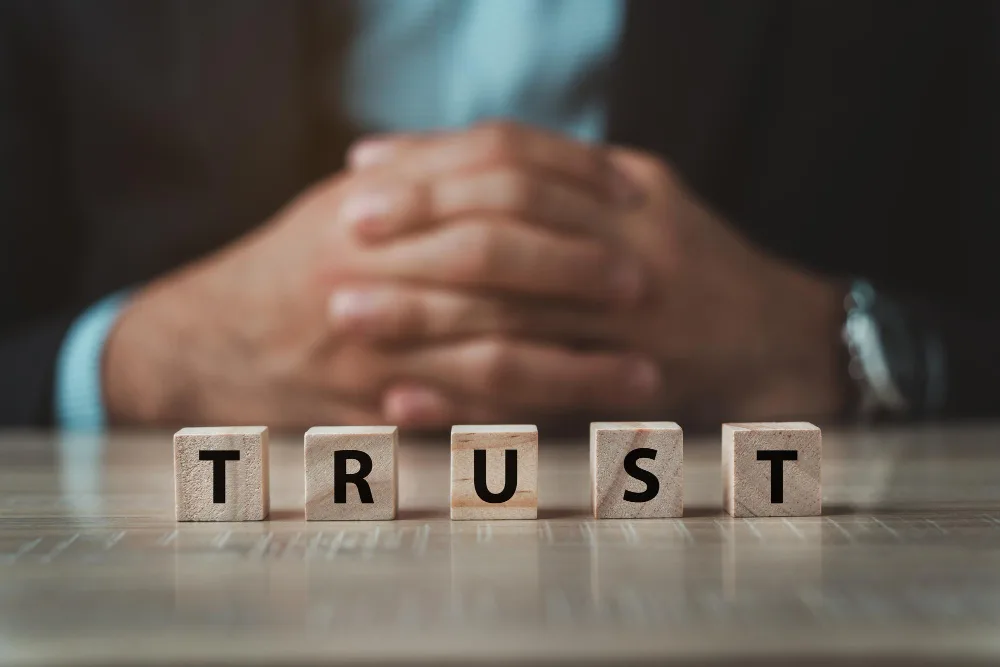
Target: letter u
[{"x": 509, "y": 481}]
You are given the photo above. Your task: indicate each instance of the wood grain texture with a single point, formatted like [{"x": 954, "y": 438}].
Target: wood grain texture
[
  {"x": 380, "y": 443},
  {"x": 495, "y": 440},
  {"x": 900, "y": 570},
  {"x": 247, "y": 496},
  {"x": 610, "y": 442},
  {"x": 746, "y": 481}
]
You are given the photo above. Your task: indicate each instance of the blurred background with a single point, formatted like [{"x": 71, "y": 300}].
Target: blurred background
[{"x": 426, "y": 212}]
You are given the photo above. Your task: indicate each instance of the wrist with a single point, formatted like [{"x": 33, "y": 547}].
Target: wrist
[
  {"x": 807, "y": 376},
  {"x": 143, "y": 373}
]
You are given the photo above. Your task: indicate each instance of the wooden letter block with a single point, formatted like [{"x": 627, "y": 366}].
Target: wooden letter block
[
  {"x": 221, "y": 473},
  {"x": 351, "y": 473},
  {"x": 636, "y": 470},
  {"x": 494, "y": 472},
  {"x": 771, "y": 469}
]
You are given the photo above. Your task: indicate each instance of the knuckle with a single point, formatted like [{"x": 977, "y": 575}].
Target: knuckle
[
  {"x": 417, "y": 201},
  {"x": 600, "y": 256},
  {"x": 318, "y": 272},
  {"x": 450, "y": 315},
  {"x": 496, "y": 365},
  {"x": 498, "y": 142},
  {"x": 421, "y": 318},
  {"x": 355, "y": 366},
  {"x": 661, "y": 170},
  {"x": 501, "y": 129},
  {"x": 597, "y": 164},
  {"x": 401, "y": 314},
  {"x": 518, "y": 191},
  {"x": 512, "y": 321},
  {"x": 654, "y": 169},
  {"x": 594, "y": 382},
  {"x": 593, "y": 266},
  {"x": 475, "y": 252}
]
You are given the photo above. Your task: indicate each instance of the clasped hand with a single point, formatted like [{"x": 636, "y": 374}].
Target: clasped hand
[{"x": 495, "y": 274}]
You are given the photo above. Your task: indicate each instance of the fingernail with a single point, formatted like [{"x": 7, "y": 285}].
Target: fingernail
[
  {"x": 625, "y": 282},
  {"x": 370, "y": 153},
  {"x": 625, "y": 191},
  {"x": 366, "y": 212},
  {"x": 413, "y": 405},
  {"x": 349, "y": 309},
  {"x": 643, "y": 378}
]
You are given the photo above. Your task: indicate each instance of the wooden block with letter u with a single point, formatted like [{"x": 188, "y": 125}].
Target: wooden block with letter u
[
  {"x": 494, "y": 472},
  {"x": 636, "y": 470},
  {"x": 221, "y": 473},
  {"x": 351, "y": 473},
  {"x": 772, "y": 469}
]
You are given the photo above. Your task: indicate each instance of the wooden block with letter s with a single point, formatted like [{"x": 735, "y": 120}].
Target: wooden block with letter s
[{"x": 636, "y": 470}]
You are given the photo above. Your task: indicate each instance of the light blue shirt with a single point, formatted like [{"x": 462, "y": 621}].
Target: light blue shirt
[{"x": 421, "y": 65}]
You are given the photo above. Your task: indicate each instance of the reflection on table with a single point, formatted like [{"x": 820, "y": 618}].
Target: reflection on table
[{"x": 904, "y": 562}]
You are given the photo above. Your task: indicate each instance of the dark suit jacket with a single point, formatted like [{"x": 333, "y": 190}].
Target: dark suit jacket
[{"x": 852, "y": 137}]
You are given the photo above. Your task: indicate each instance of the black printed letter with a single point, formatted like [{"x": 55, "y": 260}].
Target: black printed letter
[
  {"x": 510, "y": 476},
  {"x": 341, "y": 479},
  {"x": 633, "y": 469},
  {"x": 218, "y": 457},
  {"x": 777, "y": 457}
]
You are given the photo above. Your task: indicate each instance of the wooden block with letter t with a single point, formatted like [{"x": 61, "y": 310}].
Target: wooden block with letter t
[
  {"x": 636, "y": 470},
  {"x": 351, "y": 473},
  {"x": 772, "y": 469},
  {"x": 221, "y": 473},
  {"x": 494, "y": 472}
]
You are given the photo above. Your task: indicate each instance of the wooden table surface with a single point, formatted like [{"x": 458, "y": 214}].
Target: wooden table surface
[{"x": 904, "y": 564}]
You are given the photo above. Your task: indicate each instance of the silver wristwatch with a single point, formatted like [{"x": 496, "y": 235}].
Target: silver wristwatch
[
  {"x": 878, "y": 390},
  {"x": 897, "y": 359}
]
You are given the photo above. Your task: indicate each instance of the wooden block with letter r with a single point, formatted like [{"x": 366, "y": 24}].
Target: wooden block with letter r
[
  {"x": 221, "y": 473},
  {"x": 772, "y": 469},
  {"x": 636, "y": 470},
  {"x": 494, "y": 472},
  {"x": 351, "y": 473}
]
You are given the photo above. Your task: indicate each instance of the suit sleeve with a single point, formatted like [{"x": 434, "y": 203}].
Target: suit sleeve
[
  {"x": 971, "y": 356},
  {"x": 28, "y": 359},
  {"x": 968, "y": 322},
  {"x": 39, "y": 239}
]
